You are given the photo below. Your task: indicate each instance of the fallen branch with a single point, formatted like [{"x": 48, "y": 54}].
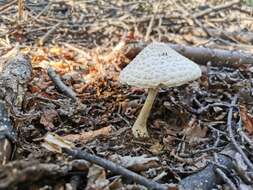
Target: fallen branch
[
  {"x": 76, "y": 153},
  {"x": 200, "y": 55},
  {"x": 60, "y": 85}
]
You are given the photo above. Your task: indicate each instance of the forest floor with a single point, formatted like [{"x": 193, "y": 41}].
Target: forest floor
[{"x": 189, "y": 126}]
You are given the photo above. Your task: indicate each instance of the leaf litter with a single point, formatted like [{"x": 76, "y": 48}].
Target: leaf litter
[{"x": 188, "y": 124}]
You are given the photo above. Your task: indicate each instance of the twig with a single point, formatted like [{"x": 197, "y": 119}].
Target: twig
[
  {"x": 241, "y": 172},
  {"x": 205, "y": 108},
  {"x": 188, "y": 15},
  {"x": 20, "y": 9},
  {"x": 7, "y": 5},
  {"x": 124, "y": 119},
  {"x": 216, "y": 8},
  {"x": 44, "y": 38},
  {"x": 78, "y": 50},
  {"x": 151, "y": 23},
  {"x": 43, "y": 11},
  {"x": 231, "y": 135},
  {"x": 225, "y": 179},
  {"x": 60, "y": 85},
  {"x": 76, "y": 153}
]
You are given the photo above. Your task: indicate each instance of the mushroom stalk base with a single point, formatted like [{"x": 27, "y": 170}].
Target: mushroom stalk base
[{"x": 140, "y": 126}]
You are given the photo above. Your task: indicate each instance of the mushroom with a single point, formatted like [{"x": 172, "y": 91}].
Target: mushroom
[{"x": 157, "y": 65}]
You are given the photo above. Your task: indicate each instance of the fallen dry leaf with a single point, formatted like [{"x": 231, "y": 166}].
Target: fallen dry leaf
[
  {"x": 137, "y": 164},
  {"x": 116, "y": 184},
  {"x": 194, "y": 133},
  {"x": 90, "y": 135},
  {"x": 247, "y": 119},
  {"x": 55, "y": 143},
  {"x": 55, "y": 50},
  {"x": 48, "y": 118},
  {"x": 97, "y": 178},
  {"x": 156, "y": 148}
]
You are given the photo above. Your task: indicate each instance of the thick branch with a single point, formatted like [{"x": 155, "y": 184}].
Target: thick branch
[{"x": 200, "y": 55}]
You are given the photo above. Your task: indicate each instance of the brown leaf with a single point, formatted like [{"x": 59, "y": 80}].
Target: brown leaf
[
  {"x": 97, "y": 178},
  {"x": 156, "y": 148},
  {"x": 90, "y": 135},
  {"x": 194, "y": 133},
  {"x": 48, "y": 118},
  {"x": 247, "y": 119},
  {"x": 55, "y": 143},
  {"x": 137, "y": 163}
]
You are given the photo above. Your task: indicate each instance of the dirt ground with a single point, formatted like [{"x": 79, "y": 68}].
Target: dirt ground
[{"x": 86, "y": 44}]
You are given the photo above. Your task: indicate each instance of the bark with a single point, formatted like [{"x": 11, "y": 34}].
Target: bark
[
  {"x": 14, "y": 76},
  {"x": 24, "y": 173}
]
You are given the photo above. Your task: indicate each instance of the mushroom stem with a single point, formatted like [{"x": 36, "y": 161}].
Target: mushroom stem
[{"x": 140, "y": 126}]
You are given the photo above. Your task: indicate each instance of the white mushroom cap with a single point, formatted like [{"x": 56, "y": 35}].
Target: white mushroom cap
[{"x": 159, "y": 65}]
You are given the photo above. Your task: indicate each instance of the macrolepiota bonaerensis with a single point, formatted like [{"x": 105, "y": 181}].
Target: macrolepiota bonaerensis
[{"x": 157, "y": 65}]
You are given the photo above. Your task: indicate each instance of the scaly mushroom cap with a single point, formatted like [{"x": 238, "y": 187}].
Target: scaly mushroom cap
[{"x": 159, "y": 65}]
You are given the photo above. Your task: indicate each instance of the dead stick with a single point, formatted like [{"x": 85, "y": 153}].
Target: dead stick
[
  {"x": 20, "y": 9},
  {"x": 44, "y": 38},
  {"x": 43, "y": 11},
  {"x": 76, "y": 153},
  {"x": 60, "y": 85},
  {"x": 200, "y": 55},
  {"x": 225, "y": 178},
  {"x": 151, "y": 23},
  {"x": 216, "y": 8},
  {"x": 2, "y": 8}
]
